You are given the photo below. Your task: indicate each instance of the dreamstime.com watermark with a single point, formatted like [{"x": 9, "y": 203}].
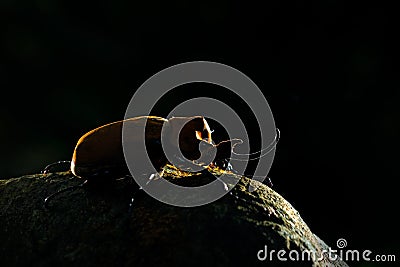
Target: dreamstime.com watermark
[{"x": 332, "y": 255}]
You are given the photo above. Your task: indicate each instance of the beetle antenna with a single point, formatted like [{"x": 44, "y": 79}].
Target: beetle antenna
[
  {"x": 49, "y": 167},
  {"x": 70, "y": 188}
]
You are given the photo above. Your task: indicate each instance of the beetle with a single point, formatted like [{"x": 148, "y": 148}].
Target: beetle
[{"x": 98, "y": 154}]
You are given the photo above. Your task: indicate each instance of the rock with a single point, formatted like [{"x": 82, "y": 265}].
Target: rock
[{"x": 93, "y": 227}]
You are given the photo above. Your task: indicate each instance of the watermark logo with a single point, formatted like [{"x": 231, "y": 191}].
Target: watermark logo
[
  {"x": 153, "y": 89},
  {"x": 341, "y": 243},
  {"x": 332, "y": 255}
]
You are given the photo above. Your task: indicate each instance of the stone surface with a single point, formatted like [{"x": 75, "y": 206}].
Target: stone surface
[{"x": 93, "y": 227}]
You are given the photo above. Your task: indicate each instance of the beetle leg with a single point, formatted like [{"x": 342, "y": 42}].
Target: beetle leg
[
  {"x": 152, "y": 177},
  {"x": 268, "y": 182},
  {"x": 226, "y": 188},
  {"x": 70, "y": 188},
  {"x": 155, "y": 176},
  {"x": 49, "y": 167},
  {"x": 131, "y": 203}
]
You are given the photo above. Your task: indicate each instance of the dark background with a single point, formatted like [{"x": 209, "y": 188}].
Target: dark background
[{"x": 327, "y": 69}]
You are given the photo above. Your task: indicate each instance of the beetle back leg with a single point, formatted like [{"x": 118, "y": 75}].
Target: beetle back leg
[
  {"x": 152, "y": 177},
  {"x": 50, "y": 168},
  {"x": 70, "y": 188}
]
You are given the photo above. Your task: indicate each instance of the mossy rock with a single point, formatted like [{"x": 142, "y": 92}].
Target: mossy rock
[{"x": 93, "y": 227}]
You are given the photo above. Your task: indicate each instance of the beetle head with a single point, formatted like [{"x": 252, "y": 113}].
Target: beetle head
[{"x": 190, "y": 131}]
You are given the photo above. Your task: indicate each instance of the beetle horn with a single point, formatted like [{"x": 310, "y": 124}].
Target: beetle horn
[{"x": 255, "y": 155}]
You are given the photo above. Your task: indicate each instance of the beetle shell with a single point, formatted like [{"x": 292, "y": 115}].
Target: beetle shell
[{"x": 99, "y": 152}]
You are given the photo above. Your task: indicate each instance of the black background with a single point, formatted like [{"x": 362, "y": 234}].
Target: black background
[{"x": 327, "y": 69}]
